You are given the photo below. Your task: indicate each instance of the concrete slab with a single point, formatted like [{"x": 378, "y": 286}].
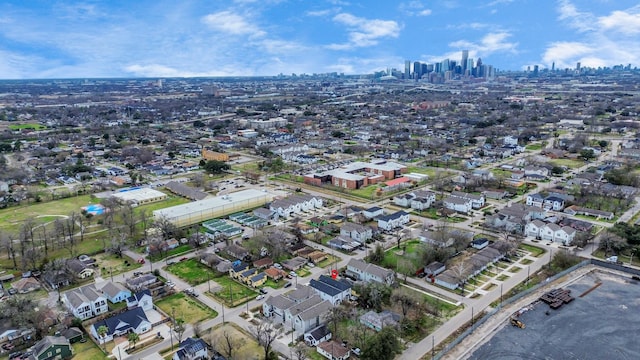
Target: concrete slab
[{"x": 596, "y": 326}]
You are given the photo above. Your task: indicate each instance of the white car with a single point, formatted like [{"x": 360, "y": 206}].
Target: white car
[
  {"x": 260, "y": 297},
  {"x": 293, "y": 274}
]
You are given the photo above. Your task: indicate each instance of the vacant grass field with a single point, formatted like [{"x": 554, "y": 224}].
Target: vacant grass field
[
  {"x": 191, "y": 271},
  {"x": 114, "y": 265},
  {"x": 411, "y": 249},
  {"x": 571, "y": 164},
  {"x": 248, "y": 347},
  {"x": 330, "y": 260},
  {"x": 232, "y": 292},
  {"x": 87, "y": 351},
  {"x": 11, "y": 218},
  {"x": 186, "y": 308}
]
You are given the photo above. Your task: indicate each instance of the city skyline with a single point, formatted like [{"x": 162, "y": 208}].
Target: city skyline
[{"x": 72, "y": 39}]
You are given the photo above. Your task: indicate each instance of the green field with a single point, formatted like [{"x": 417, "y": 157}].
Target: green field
[
  {"x": 191, "y": 271},
  {"x": 571, "y": 164},
  {"x": 392, "y": 255},
  {"x": 11, "y": 218},
  {"x": 534, "y": 250},
  {"x": 87, "y": 351},
  {"x": 26, "y": 126},
  {"x": 186, "y": 308},
  {"x": 232, "y": 292}
]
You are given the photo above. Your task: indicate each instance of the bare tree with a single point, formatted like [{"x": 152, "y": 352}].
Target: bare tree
[
  {"x": 461, "y": 272},
  {"x": 229, "y": 343},
  {"x": 300, "y": 352},
  {"x": 266, "y": 334}
]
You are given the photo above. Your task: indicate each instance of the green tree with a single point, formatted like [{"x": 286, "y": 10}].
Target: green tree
[
  {"x": 102, "y": 331},
  {"x": 133, "y": 338},
  {"x": 382, "y": 346},
  {"x": 587, "y": 154},
  {"x": 216, "y": 167}
]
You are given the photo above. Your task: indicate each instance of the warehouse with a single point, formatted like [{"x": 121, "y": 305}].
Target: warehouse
[
  {"x": 139, "y": 196},
  {"x": 219, "y": 206}
]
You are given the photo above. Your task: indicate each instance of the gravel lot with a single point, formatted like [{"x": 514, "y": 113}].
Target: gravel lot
[{"x": 604, "y": 324}]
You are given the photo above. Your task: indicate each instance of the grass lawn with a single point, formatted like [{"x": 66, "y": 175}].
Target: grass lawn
[
  {"x": 391, "y": 256},
  {"x": 502, "y": 277},
  {"x": 330, "y": 260},
  {"x": 532, "y": 147},
  {"x": 87, "y": 351},
  {"x": 112, "y": 265},
  {"x": 191, "y": 271},
  {"x": 11, "y": 218},
  {"x": 526, "y": 261},
  {"x": 431, "y": 213},
  {"x": 186, "y": 308},
  {"x": 367, "y": 192},
  {"x": 26, "y": 126},
  {"x": 232, "y": 292},
  {"x": 177, "y": 251},
  {"x": 489, "y": 287},
  {"x": 168, "y": 202},
  {"x": 248, "y": 347},
  {"x": 303, "y": 272},
  {"x": 274, "y": 284},
  {"x": 571, "y": 164},
  {"x": 534, "y": 250},
  {"x": 514, "y": 269}
]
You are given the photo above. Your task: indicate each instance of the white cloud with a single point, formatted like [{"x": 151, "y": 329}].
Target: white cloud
[
  {"x": 231, "y": 23},
  {"x": 624, "y": 22},
  {"x": 414, "y": 8},
  {"x": 364, "y": 32},
  {"x": 604, "y": 40},
  {"x": 320, "y": 12},
  {"x": 490, "y": 43}
]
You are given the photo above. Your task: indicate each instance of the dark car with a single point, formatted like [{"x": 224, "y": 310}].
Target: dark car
[
  {"x": 287, "y": 285},
  {"x": 15, "y": 355},
  {"x": 263, "y": 291}
]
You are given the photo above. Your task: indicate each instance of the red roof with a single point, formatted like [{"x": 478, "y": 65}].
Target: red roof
[{"x": 397, "y": 181}]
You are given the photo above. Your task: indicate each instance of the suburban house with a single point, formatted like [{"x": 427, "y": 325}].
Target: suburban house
[
  {"x": 422, "y": 199},
  {"x": 295, "y": 204},
  {"x": 372, "y": 212},
  {"x": 551, "y": 232},
  {"x": 192, "y": 349},
  {"x": 474, "y": 265},
  {"x": 79, "y": 269},
  {"x": 458, "y": 204},
  {"x": 114, "y": 292},
  {"x": 141, "y": 282},
  {"x": 345, "y": 243},
  {"x": 598, "y": 214},
  {"x": 131, "y": 320},
  {"x": 551, "y": 202},
  {"x": 85, "y": 302},
  {"x": 392, "y": 221},
  {"x": 237, "y": 251},
  {"x": 52, "y": 347},
  {"x": 366, "y": 272},
  {"x": 56, "y": 279},
  {"x": 480, "y": 243},
  {"x": 477, "y": 201},
  {"x": 357, "y": 232},
  {"x": 377, "y": 321},
  {"x": 333, "y": 350},
  {"x": 257, "y": 280},
  {"x": 142, "y": 299},
  {"x": 317, "y": 335},
  {"x": 330, "y": 289},
  {"x": 26, "y": 285},
  {"x": 237, "y": 268},
  {"x": 434, "y": 268},
  {"x": 302, "y": 309}
]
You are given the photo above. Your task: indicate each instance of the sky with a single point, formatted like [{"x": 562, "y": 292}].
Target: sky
[{"x": 182, "y": 38}]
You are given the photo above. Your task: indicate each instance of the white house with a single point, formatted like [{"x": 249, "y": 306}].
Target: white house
[
  {"x": 372, "y": 212},
  {"x": 114, "y": 292},
  {"x": 536, "y": 200},
  {"x": 317, "y": 335},
  {"x": 477, "y": 201},
  {"x": 548, "y": 231},
  {"x": 533, "y": 228},
  {"x": 392, "y": 221},
  {"x": 458, "y": 204},
  {"x": 553, "y": 202},
  {"x": 134, "y": 320},
  {"x": 357, "y": 232},
  {"x": 142, "y": 299},
  {"x": 422, "y": 199},
  {"x": 510, "y": 140},
  {"x": 369, "y": 272},
  {"x": 564, "y": 235},
  {"x": 330, "y": 289},
  {"x": 85, "y": 302}
]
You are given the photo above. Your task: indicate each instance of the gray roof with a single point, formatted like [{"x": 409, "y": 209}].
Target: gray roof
[
  {"x": 111, "y": 289},
  {"x": 78, "y": 296}
]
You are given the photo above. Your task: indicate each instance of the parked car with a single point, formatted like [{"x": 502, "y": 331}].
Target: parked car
[
  {"x": 8, "y": 346},
  {"x": 184, "y": 258},
  {"x": 137, "y": 273},
  {"x": 12, "y": 291},
  {"x": 260, "y": 297},
  {"x": 277, "y": 266},
  {"x": 293, "y": 274},
  {"x": 141, "y": 261},
  {"x": 356, "y": 351},
  {"x": 263, "y": 291},
  {"x": 287, "y": 285}
]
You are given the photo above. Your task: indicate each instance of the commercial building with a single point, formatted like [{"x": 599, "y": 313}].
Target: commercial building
[{"x": 139, "y": 196}]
